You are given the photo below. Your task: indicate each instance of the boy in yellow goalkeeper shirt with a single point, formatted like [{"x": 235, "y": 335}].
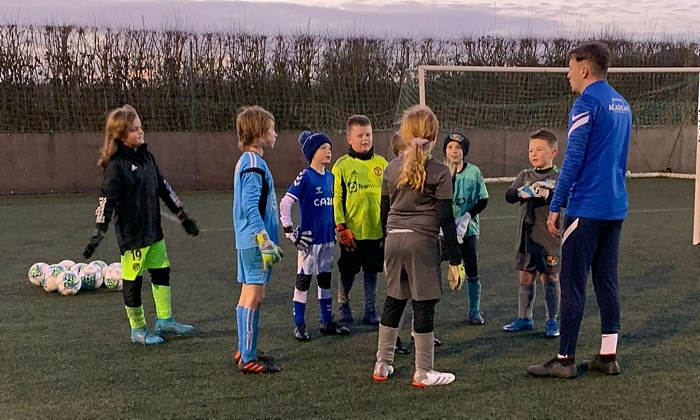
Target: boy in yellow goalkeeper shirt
[{"x": 356, "y": 200}]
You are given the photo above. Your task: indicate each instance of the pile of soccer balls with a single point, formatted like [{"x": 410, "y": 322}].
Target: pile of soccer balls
[{"x": 68, "y": 278}]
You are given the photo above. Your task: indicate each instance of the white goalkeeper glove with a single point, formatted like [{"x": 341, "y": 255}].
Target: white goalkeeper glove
[
  {"x": 462, "y": 225},
  {"x": 300, "y": 239},
  {"x": 544, "y": 184},
  {"x": 533, "y": 191}
]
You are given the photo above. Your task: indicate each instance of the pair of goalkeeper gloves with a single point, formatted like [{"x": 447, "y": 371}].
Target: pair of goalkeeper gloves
[
  {"x": 540, "y": 189},
  {"x": 189, "y": 224}
]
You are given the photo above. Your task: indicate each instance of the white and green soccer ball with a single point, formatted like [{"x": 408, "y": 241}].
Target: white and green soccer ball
[
  {"x": 67, "y": 264},
  {"x": 78, "y": 267},
  {"x": 69, "y": 283},
  {"x": 51, "y": 277},
  {"x": 36, "y": 273},
  {"x": 113, "y": 276},
  {"x": 99, "y": 264},
  {"x": 90, "y": 276}
]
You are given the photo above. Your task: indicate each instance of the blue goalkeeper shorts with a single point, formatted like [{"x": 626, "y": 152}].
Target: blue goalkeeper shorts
[{"x": 250, "y": 267}]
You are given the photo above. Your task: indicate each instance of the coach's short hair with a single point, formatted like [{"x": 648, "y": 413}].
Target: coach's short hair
[{"x": 596, "y": 53}]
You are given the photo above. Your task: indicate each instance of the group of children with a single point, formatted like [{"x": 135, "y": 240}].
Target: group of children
[{"x": 381, "y": 213}]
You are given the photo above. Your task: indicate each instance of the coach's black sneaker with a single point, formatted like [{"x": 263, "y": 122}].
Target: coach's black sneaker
[
  {"x": 300, "y": 333},
  {"x": 258, "y": 355},
  {"x": 334, "y": 329},
  {"x": 555, "y": 368},
  {"x": 258, "y": 366},
  {"x": 606, "y": 364}
]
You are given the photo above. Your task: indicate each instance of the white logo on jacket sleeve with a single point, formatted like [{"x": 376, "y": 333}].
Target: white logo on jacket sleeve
[
  {"x": 133, "y": 167},
  {"x": 577, "y": 116}
]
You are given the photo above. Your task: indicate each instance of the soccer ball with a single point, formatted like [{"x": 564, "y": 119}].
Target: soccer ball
[
  {"x": 113, "y": 277},
  {"x": 67, "y": 264},
  {"x": 77, "y": 268},
  {"x": 68, "y": 283},
  {"x": 90, "y": 275},
  {"x": 51, "y": 277},
  {"x": 36, "y": 273},
  {"x": 99, "y": 264}
]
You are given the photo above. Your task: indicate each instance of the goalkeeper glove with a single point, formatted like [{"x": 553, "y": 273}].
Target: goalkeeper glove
[
  {"x": 94, "y": 241},
  {"x": 271, "y": 253},
  {"x": 462, "y": 224},
  {"x": 525, "y": 192},
  {"x": 346, "y": 238},
  {"x": 456, "y": 276},
  {"x": 300, "y": 239},
  {"x": 187, "y": 223}
]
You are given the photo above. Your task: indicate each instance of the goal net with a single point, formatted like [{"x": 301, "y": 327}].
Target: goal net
[{"x": 498, "y": 108}]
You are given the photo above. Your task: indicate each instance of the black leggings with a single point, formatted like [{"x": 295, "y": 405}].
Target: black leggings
[{"x": 423, "y": 314}]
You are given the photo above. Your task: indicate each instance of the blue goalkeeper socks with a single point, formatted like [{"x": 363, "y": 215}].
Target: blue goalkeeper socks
[
  {"x": 247, "y": 332},
  {"x": 240, "y": 321},
  {"x": 256, "y": 321}
]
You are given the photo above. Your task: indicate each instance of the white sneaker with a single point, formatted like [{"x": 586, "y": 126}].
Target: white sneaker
[
  {"x": 431, "y": 377},
  {"x": 382, "y": 370}
]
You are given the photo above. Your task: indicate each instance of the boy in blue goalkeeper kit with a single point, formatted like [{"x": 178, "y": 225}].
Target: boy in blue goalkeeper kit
[
  {"x": 314, "y": 238},
  {"x": 536, "y": 250},
  {"x": 256, "y": 229},
  {"x": 131, "y": 188},
  {"x": 470, "y": 199},
  {"x": 592, "y": 179}
]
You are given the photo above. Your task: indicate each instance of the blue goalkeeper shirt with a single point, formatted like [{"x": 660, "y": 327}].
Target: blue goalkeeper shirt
[
  {"x": 315, "y": 195},
  {"x": 254, "y": 201},
  {"x": 592, "y": 176}
]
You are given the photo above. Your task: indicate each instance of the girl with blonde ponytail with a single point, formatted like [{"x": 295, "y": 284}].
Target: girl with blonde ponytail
[{"x": 416, "y": 202}]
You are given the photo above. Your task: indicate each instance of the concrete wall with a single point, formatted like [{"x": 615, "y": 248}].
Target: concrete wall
[{"x": 65, "y": 162}]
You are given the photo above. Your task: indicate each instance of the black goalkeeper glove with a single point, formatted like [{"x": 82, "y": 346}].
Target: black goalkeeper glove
[
  {"x": 189, "y": 224},
  {"x": 94, "y": 243}
]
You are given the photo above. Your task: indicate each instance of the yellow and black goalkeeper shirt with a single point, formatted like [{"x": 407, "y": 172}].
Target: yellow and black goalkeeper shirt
[{"x": 357, "y": 193}]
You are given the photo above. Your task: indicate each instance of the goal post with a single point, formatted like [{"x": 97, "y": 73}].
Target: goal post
[{"x": 665, "y": 104}]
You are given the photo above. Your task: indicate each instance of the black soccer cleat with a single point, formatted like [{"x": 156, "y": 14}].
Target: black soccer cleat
[
  {"x": 300, "y": 333},
  {"x": 258, "y": 355},
  {"x": 258, "y": 366},
  {"x": 400, "y": 348},
  {"x": 333, "y": 328}
]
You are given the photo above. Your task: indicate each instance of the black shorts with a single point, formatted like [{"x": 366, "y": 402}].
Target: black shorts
[
  {"x": 368, "y": 257},
  {"x": 543, "y": 264}
]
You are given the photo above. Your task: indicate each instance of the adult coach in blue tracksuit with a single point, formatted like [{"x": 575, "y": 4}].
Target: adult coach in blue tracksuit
[{"x": 592, "y": 181}]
